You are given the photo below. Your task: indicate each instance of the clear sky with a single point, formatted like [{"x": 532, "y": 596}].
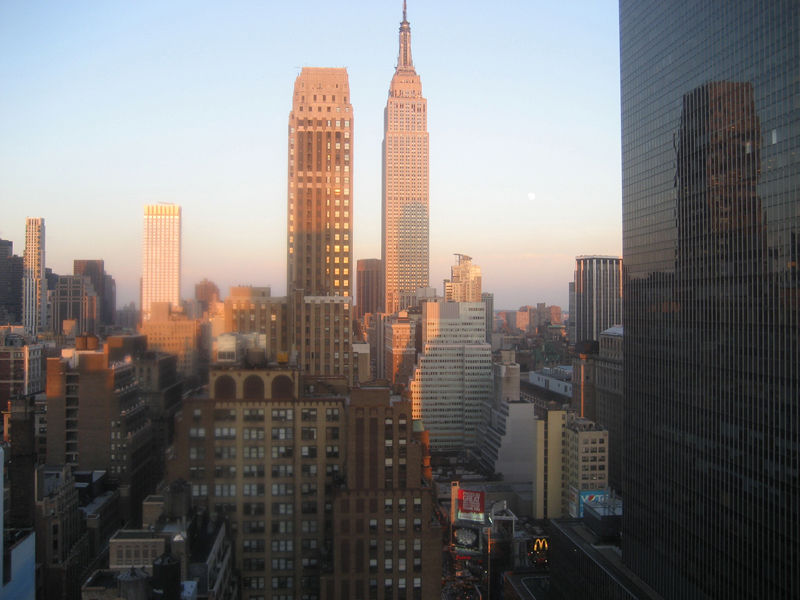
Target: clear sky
[{"x": 108, "y": 106}]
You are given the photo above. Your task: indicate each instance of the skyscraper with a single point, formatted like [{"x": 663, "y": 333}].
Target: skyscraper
[
  {"x": 34, "y": 284},
  {"x": 453, "y": 377},
  {"x": 711, "y": 225},
  {"x": 368, "y": 283},
  {"x": 405, "y": 180},
  {"x": 464, "y": 284},
  {"x": 598, "y": 296},
  {"x": 320, "y": 253},
  {"x": 161, "y": 256}
]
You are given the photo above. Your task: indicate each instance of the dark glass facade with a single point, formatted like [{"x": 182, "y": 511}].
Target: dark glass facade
[{"x": 711, "y": 211}]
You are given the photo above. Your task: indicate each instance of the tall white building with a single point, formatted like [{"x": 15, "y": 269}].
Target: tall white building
[
  {"x": 161, "y": 256},
  {"x": 598, "y": 296},
  {"x": 34, "y": 283},
  {"x": 405, "y": 240},
  {"x": 453, "y": 376},
  {"x": 464, "y": 284}
]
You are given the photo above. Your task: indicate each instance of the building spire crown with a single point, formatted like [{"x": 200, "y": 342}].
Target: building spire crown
[{"x": 404, "y": 61}]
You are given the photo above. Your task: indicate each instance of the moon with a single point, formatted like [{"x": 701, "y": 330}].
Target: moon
[{"x": 531, "y": 196}]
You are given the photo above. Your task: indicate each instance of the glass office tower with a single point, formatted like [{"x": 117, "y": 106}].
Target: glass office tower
[{"x": 711, "y": 210}]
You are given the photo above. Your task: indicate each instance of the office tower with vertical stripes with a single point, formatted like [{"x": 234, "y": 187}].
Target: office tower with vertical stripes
[
  {"x": 161, "y": 256},
  {"x": 405, "y": 240}
]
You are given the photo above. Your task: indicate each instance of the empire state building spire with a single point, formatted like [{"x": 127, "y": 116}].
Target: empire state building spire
[
  {"x": 405, "y": 243},
  {"x": 404, "y": 62}
]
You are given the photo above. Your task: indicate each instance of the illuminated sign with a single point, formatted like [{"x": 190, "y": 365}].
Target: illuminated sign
[
  {"x": 466, "y": 538},
  {"x": 470, "y": 502}
]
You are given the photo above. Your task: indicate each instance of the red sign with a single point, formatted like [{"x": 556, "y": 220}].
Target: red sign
[{"x": 470, "y": 502}]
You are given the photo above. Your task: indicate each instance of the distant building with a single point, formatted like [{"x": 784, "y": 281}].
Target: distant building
[
  {"x": 22, "y": 367},
  {"x": 170, "y": 331},
  {"x": 584, "y": 389},
  {"x": 103, "y": 286},
  {"x": 369, "y": 279},
  {"x": 11, "y": 273},
  {"x": 598, "y": 296},
  {"x": 586, "y": 463},
  {"x": 63, "y": 547},
  {"x": 609, "y": 401},
  {"x": 161, "y": 261},
  {"x": 384, "y": 523},
  {"x": 98, "y": 421},
  {"x": 206, "y": 292},
  {"x": 488, "y": 301},
  {"x": 400, "y": 339},
  {"x": 34, "y": 292},
  {"x": 453, "y": 376},
  {"x": 74, "y": 306},
  {"x": 18, "y": 569},
  {"x": 257, "y": 450},
  {"x": 254, "y": 310},
  {"x": 506, "y": 443},
  {"x": 464, "y": 284},
  {"x": 405, "y": 232},
  {"x": 319, "y": 225}
]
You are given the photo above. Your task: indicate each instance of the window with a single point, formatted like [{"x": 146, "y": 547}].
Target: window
[
  {"x": 282, "y": 489},
  {"x": 281, "y": 414},
  {"x": 197, "y": 453},
  {"x": 387, "y": 505},
  {"x": 309, "y": 452},
  {"x": 387, "y": 568},
  {"x": 308, "y": 433},
  {"x": 282, "y": 582},
  {"x": 280, "y": 452},
  {"x": 195, "y": 472},
  {"x": 224, "y": 452},
  {"x": 257, "y": 545},
  {"x": 253, "y": 433},
  {"x": 253, "y": 564},
  {"x": 282, "y": 433},
  {"x": 331, "y": 414},
  {"x": 225, "y": 433},
  {"x": 401, "y": 525},
  {"x": 282, "y": 564},
  {"x": 401, "y": 505},
  {"x": 332, "y": 451},
  {"x": 224, "y": 414},
  {"x": 332, "y": 433},
  {"x": 254, "y": 471},
  {"x": 388, "y": 525},
  {"x": 308, "y": 526},
  {"x": 331, "y": 470},
  {"x": 309, "y": 489},
  {"x": 282, "y": 508},
  {"x": 373, "y": 525},
  {"x": 308, "y": 470},
  {"x": 282, "y": 527},
  {"x": 308, "y": 414},
  {"x": 283, "y": 470},
  {"x": 417, "y": 504},
  {"x": 225, "y": 490},
  {"x": 197, "y": 433},
  {"x": 254, "y": 527},
  {"x": 417, "y": 524},
  {"x": 308, "y": 508},
  {"x": 222, "y": 472},
  {"x": 253, "y": 583},
  {"x": 254, "y": 508},
  {"x": 199, "y": 490}
]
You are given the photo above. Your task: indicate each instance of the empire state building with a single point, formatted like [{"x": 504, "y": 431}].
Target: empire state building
[{"x": 405, "y": 182}]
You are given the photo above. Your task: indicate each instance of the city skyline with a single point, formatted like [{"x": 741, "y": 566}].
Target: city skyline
[{"x": 109, "y": 109}]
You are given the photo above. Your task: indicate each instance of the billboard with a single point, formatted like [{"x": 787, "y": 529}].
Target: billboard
[
  {"x": 466, "y": 539},
  {"x": 589, "y": 496},
  {"x": 470, "y": 503}
]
